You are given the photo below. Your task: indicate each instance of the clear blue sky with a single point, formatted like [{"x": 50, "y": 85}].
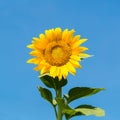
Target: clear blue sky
[{"x": 20, "y": 20}]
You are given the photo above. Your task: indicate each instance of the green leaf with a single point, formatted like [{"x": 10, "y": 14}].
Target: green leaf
[
  {"x": 53, "y": 82},
  {"x": 78, "y": 111},
  {"x": 46, "y": 94},
  {"x": 69, "y": 113},
  {"x": 86, "y": 110},
  {"x": 90, "y": 110},
  {"x": 79, "y": 92}
]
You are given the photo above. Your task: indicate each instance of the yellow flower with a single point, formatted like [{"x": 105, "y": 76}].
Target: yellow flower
[{"x": 57, "y": 52}]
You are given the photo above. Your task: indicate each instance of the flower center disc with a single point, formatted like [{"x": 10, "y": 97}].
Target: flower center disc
[{"x": 57, "y": 53}]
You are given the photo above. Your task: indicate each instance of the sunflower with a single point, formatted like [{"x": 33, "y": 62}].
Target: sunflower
[{"x": 57, "y": 52}]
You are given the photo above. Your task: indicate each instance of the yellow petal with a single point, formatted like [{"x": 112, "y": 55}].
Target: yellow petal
[
  {"x": 64, "y": 34},
  {"x": 79, "y": 50},
  {"x": 84, "y": 55},
  {"x": 63, "y": 72},
  {"x": 58, "y": 72},
  {"x": 41, "y": 45},
  {"x": 39, "y": 67},
  {"x": 75, "y": 57},
  {"x": 67, "y": 35},
  {"x": 36, "y": 39},
  {"x": 71, "y": 32},
  {"x": 58, "y": 33},
  {"x": 50, "y": 34},
  {"x": 53, "y": 71},
  {"x": 60, "y": 75},
  {"x": 41, "y": 64},
  {"x": 76, "y": 38},
  {"x": 45, "y": 69},
  {"x": 77, "y": 43},
  {"x": 30, "y": 46},
  {"x": 35, "y": 53},
  {"x": 70, "y": 68},
  {"x": 42, "y": 36},
  {"x": 76, "y": 64},
  {"x": 82, "y": 49},
  {"x": 33, "y": 60}
]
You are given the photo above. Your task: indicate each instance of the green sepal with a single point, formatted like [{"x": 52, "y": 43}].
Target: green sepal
[
  {"x": 53, "y": 82},
  {"x": 46, "y": 94},
  {"x": 80, "y": 92}
]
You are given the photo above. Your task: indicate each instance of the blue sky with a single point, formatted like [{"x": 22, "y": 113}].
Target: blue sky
[{"x": 20, "y": 20}]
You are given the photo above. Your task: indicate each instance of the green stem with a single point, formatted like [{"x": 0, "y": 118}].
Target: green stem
[
  {"x": 59, "y": 95},
  {"x": 55, "y": 111}
]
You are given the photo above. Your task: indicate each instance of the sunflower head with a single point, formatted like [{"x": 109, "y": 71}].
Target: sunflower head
[{"x": 57, "y": 52}]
